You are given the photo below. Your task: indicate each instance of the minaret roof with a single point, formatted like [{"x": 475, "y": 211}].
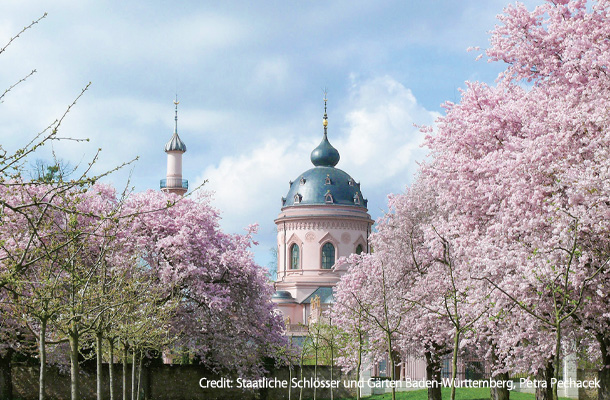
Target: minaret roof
[{"x": 175, "y": 143}]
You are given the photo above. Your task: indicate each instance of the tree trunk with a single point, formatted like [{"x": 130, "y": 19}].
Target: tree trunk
[
  {"x": 603, "y": 393},
  {"x": 332, "y": 362},
  {"x": 111, "y": 368},
  {"x": 557, "y": 360},
  {"x": 358, "y": 368},
  {"x": 433, "y": 375},
  {"x": 301, "y": 371},
  {"x": 391, "y": 364},
  {"x": 290, "y": 381},
  {"x": 125, "y": 355},
  {"x": 99, "y": 365},
  {"x": 133, "y": 374},
  {"x": 6, "y": 375},
  {"x": 139, "y": 375},
  {"x": 545, "y": 393},
  {"x": 456, "y": 344},
  {"x": 315, "y": 371},
  {"x": 359, "y": 364},
  {"x": 74, "y": 368},
  {"x": 500, "y": 393},
  {"x": 42, "y": 353}
]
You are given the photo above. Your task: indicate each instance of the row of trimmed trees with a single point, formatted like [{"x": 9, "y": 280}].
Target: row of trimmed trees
[
  {"x": 501, "y": 247},
  {"x": 86, "y": 272},
  {"x": 146, "y": 272}
]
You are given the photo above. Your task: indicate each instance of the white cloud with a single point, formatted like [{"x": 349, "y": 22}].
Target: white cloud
[
  {"x": 380, "y": 145},
  {"x": 248, "y": 187}
]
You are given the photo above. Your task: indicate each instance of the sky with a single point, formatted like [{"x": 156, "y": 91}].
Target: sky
[{"x": 249, "y": 76}]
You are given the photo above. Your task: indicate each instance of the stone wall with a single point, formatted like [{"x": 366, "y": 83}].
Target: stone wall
[{"x": 169, "y": 382}]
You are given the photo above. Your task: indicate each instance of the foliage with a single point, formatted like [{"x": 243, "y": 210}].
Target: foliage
[{"x": 504, "y": 237}]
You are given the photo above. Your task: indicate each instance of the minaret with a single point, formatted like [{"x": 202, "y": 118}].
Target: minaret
[{"x": 173, "y": 182}]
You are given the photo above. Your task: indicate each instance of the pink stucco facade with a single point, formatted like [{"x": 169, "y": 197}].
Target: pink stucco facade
[{"x": 310, "y": 227}]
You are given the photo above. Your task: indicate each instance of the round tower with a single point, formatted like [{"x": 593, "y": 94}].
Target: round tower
[
  {"x": 323, "y": 217},
  {"x": 173, "y": 182}
]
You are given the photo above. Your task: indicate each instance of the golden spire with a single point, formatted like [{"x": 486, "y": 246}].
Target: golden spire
[{"x": 325, "y": 119}]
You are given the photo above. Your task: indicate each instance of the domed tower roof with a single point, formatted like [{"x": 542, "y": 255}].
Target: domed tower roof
[
  {"x": 324, "y": 184},
  {"x": 175, "y": 143}
]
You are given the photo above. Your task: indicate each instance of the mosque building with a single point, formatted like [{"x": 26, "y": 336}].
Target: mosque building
[{"x": 323, "y": 217}]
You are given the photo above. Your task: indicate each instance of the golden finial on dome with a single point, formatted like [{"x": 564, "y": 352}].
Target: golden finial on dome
[{"x": 325, "y": 119}]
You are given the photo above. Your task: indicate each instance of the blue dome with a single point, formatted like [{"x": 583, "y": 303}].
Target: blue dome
[
  {"x": 325, "y": 155},
  {"x": 282, "y": 294},
  {"x": 324, "y": 185}
]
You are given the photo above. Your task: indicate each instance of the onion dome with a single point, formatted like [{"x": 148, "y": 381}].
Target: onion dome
[
  {"x": 325, "y": 155},
  {"x": 175, "y": 143}
]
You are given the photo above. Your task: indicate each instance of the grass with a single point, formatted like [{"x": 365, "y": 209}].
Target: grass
[{"x": 460, "y": 394}]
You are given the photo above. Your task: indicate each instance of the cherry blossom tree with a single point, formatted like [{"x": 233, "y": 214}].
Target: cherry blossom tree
[
  {"x": 226, "y": 316},
  {"x": 401, "y": 233},
  {"x": 520, "y": 173},
  {"x": 420, "y": 238},
  {"x": 523, "y": 167},
  {"x": 389, "y": 293},
  {"x": 25, "y": 207},
  {"x": 350, "y": 317},
  {"x": 371, "y": 290}
]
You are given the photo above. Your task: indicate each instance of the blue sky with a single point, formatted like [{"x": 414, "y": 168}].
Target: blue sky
[{"x": 249, "y": 77}]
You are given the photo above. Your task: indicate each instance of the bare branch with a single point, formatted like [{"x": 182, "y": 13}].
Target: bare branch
[{"x": 3, "y": 49}]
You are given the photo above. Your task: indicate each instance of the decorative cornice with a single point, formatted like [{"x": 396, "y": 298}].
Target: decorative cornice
[{"x": 322, "y": 225}]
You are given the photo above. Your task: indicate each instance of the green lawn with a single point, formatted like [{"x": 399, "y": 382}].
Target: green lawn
[{"x": 460, "y": 394}]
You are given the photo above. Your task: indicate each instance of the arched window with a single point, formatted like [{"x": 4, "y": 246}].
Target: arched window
[
  {"x": 294, "y": 257},
  {"x": 328, "y": 198},
  {"x": 297, "y": 198},
  {"x": 328, "y": 255},
  {"x": 359, "y": 249},
  {"x": 327, "y": 180}
]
